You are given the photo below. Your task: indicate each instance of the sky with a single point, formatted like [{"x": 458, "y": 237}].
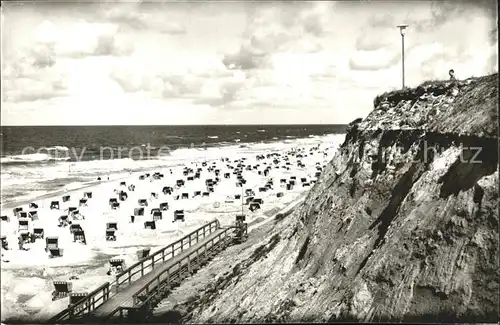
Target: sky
[{"x": 238, "y": 62}]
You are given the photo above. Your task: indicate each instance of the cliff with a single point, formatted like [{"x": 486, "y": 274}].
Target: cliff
[{"x": 402, "y": 224}]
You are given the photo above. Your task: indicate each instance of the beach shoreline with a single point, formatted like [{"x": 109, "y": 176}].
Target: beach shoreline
[
  {"x": 92, "y": 184},
  {"x": 89, "y": 262}
]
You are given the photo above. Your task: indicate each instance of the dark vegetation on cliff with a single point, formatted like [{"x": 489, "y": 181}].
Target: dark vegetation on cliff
[{"x": 401, "y": 226}]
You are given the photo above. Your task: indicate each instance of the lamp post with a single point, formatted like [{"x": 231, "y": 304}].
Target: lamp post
[{"x": 402, "y": 30}]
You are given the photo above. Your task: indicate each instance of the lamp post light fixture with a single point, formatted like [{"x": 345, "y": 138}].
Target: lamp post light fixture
[{"x": 402, "y": 29}]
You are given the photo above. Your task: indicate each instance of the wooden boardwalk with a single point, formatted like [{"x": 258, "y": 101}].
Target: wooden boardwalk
[
  {"x": 138, "y": 288},
  {"x": 124, "y": 298}
]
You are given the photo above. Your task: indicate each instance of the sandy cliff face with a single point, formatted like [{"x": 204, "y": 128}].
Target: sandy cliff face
[{"x": 402, "y": 225}]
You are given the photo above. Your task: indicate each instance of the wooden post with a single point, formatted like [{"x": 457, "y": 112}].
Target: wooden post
[
  {"x": 198, "y": 258},
  {"x": 163, "y": 255},
  {"x": 173, "y": 250},
  {"x": 129, "y": 276},
  {"x": 142, "y": 269},
  {"x": 197, "y": 235},
  {"x": 189, "y": 240},
  {"x": 182, "y": 245},
  {"x": 189, "y": 264},
  {"x": 204, "y": 228}
]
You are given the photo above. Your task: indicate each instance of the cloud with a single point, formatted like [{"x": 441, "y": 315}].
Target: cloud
[
  {"x": 181, "y": 86},
  {"x": 43, "y": 55},
  {"x": 36, "y": 72},
  {"x": 373, "y": 60},
  {"x": 377, "y": 33},
  {"x": 128, "y": 81},
  {"x": 32, "y": 74},
  {"x": 83, "y": 39},
  {"x": 38, "y": 90},
  {"x": 172, "y": 28},
  {"x": 25, "y": 81},
  {"x": 280, "y": 54},
  {"x": 439, "y": 12},
  {"x": 126, "y": 16},
  {"x": 293, "y": 27},
  {"x": 247, "y": 58},
  {"x": 213, "y": 87},
  {"x": 328, "y": 72},
  {"x": 131, "y": 17},
  {"x": 384, "y": 20},
  {"x": 162, "y": 85},
  {"x": 370, "y": 42},
  {"x": 277, "y": 58},
  {"x": 431, "y": 42},
  {"x": 438, "y": 64}
]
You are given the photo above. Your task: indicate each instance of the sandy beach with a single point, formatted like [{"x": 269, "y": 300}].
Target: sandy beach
[{"x": 28, "y": 273}]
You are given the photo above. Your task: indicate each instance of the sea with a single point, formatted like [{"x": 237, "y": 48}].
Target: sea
[{"x": 38, "y": 160}]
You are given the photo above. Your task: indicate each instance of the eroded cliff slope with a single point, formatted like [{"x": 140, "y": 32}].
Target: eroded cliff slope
[{"x": 402, "y": 225}]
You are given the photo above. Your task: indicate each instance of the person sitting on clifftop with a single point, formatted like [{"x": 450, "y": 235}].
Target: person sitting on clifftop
[
  {"x": 452, "y": 75},
  {"x": 454, "y": 82}
]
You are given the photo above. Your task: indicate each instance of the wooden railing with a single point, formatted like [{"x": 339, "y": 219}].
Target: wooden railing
[
  {"x": 164, "y": 254},
  {"x": 186, "y": 261},
  {"x": 142, "y": 298},
  {"x": 87, "y": 304},
  {"x": 97, "y": 297}
]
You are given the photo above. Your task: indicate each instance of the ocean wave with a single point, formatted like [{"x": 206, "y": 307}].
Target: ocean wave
[
  {"x": 19, "y": 180},
  {"x": 31, "y": 158},
  {"x": 22, "y": 173},
  {"x": 60, "y": 148},
  {"x": 213, "y": 137},
  {"x": 12, "y": 197}
]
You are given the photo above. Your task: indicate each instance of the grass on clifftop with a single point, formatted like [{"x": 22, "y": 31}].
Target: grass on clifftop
[
  {"x": 438, "y": 86},
  {"x": 473, "y": 111}
]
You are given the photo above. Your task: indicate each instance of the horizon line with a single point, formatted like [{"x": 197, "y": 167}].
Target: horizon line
[{"x": 223, "y": 125}]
